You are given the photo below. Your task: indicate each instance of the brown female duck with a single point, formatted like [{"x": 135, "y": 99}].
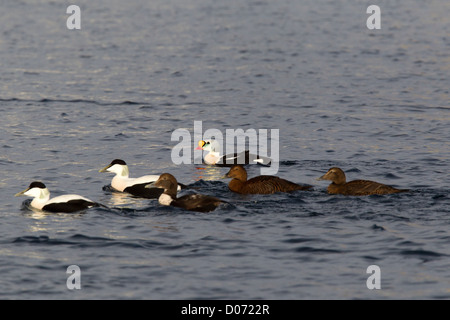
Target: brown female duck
[
  {"x": 355, "y": 187},
  {"x": 259, "y": 184}
]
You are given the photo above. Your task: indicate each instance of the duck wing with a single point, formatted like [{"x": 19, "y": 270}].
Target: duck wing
[
  {"x": 144, "y": 179},
  {"x": 70, "y": 206},
  {"x": 136, "y": 187},
  {"x": 258, "y": 159},
  {"x": 367, "y": 187},
  {"x": 271, "y": 184},
  {"x": 197, "y": 202},
  {"x": 139, "y": 190},
  {"x": 244, "y": 157}
]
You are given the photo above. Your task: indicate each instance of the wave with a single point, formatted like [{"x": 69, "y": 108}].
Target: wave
[
  {"x": 85, "y": 241},
  {"x": 85, "y": 101}
]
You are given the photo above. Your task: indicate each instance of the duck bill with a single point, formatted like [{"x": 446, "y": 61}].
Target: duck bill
[
  {"x": 324, "y": 177},
  {"x": 226, "y": 176},
  {"x": 21, "y": 193},
  {"x": 105, "y": 169},
  {"x": 201, "y": 143},
  {"x": 152, "y": 185}
]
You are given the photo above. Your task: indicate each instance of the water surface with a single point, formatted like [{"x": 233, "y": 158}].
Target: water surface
[{"x": 373, "y": 102}]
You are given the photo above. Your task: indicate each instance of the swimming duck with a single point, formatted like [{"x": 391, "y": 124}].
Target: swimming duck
[
  {"x": 66, "y": 203},
  {"x": 214, "y": 157},
  {"x": 134, "y": 186},
  {"x": 355, "y": 187},
  {"x": 191, "y": 202},
  {"x": 259, "y": 184}
]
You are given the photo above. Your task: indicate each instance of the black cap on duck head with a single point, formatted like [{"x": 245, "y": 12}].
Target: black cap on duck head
[
  {"x": 37, "y": 184},
  {"x": 118, "y": 161}
]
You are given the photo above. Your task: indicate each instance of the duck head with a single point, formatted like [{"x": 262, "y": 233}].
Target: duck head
[
  {"x": 118, "y": 167},
  {"x": 336, "y": 175},
  {"x": 237, "y": 172},
  {"x": 167, "y": 182}
]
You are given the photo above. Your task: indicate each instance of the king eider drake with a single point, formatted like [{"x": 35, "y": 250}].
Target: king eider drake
[
  {"x": 191, "y": 202},
  {"x": 66, "y": 203},
  {"x": 214, "y": 157},
  {"x": 134, "y": 186},
  {"x": 355, "y": 187},
  {"x": 259, "y": 184}
]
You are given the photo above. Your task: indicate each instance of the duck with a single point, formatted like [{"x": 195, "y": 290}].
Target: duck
[
  {"x": 68, "y": 203},
  {"x": 214, "y": 157},
  {"x": 135, "y": 186},
  {"x": 356, "y": 187},
  {"x": 191, "y": 202},
  {"x": 260, "y": 184}
]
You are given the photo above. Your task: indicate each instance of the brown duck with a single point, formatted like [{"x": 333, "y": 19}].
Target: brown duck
[
  {"x": 191, "y": 202},
  {"x": 355, "y": 187},
  {"x": 259, "y": 184}
]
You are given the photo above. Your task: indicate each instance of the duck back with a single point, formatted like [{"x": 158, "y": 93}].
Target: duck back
[
  {"x": 197, "y": 202},
  {"x": 362, "y": 188},
  {"x": 265, "y": 185}
]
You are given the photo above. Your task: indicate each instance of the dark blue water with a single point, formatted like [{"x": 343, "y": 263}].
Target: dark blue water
[{"x": 374, "y": 102}]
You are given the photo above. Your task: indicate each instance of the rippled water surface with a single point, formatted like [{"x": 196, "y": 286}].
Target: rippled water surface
[{"x": 373, "y": 102}]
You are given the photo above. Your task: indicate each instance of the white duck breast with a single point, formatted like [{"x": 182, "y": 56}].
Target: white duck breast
[
  {"x": 244, "y": 157},
  {"x": 66, "y": 203},
  {"x": 134, "y": 186},
  {"x": 165, "y": 199}
]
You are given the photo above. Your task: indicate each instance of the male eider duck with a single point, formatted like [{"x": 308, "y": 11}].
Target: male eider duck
[
  {"x": 191, "y": 202},
  {"x": 259, "y": 184},
  {"x": 66, "y": 203},
  {"x": 214, "y": 157},
  {"x": 134, "y": 186},
  {"x": 355, "y": 187}
]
